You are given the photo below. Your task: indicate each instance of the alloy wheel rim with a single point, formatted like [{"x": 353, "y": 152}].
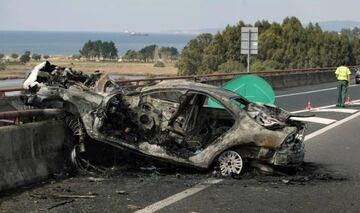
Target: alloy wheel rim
[{"x": 230, "y": 162}]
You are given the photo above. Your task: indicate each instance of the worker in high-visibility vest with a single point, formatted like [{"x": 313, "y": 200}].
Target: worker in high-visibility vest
[{"x": 343, "y": 77}]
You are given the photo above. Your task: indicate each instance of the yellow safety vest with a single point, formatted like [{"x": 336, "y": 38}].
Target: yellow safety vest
[{"x": 342, "y": 73}]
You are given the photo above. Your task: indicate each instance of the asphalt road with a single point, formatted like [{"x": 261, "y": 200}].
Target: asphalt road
[{"x": 329, "y": 181}]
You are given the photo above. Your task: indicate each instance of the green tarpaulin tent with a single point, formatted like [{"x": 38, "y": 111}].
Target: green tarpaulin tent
[{"x": 252, "y": 87}]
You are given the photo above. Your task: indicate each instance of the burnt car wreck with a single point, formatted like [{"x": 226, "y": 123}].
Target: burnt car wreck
[{"x": 169, "y": 121}]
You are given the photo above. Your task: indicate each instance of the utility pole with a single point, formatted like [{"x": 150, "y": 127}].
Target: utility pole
[{"x": 249, "y": 48}]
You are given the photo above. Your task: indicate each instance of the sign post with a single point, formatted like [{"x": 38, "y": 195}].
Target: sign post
[{"x": 249, "y": 43}]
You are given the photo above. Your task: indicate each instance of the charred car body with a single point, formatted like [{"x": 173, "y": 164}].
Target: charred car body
[{"x": 170, "y": 121}]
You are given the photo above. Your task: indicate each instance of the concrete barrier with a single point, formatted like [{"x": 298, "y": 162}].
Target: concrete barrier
[
  {"x": 299, "y": 79},
  {"x": 31, "y": 152},
  {"x": 280, "y": 81}
]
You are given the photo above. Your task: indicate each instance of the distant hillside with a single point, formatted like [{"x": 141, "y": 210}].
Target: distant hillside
[{"x": 338, "y": 25}]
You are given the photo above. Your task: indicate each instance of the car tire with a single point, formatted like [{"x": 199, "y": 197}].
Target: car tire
[{"x": 230, "y": 163}]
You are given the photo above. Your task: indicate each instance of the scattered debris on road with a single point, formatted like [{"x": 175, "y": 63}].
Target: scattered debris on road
[{"x": 61, "y": 203}]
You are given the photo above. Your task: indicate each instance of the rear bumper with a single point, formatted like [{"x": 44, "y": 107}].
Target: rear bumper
[{"x": 292, "y": 155}]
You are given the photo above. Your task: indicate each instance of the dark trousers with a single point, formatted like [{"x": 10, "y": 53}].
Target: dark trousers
[{"x": 342, "y": 91}]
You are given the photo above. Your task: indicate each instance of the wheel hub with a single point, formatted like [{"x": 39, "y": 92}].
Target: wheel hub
[{"x": 230, "y": 162}]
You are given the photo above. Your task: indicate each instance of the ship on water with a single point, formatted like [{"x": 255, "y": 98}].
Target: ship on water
[{"x": 132, "y": 33}]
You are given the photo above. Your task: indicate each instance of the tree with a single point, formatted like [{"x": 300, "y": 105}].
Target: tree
[
  {"x": 97, "y": 49},
  {"x": 214, "y": 54},
  {"x": 355, "y": 44},
  {"x": 267, "y": 65},
  {"x": 36, "y": 57},
  {"x": 27, "y": 52},
  {"x": 14, "y": 56},
  {"x": 108, "y": 50},
  {"x": 231, "y": 66},
  {"x": 232, "y": 40},
  {"x": 169, "y": 53},
  {"x": 147, "y": 53},
  {"x": 192, "y": 55},
  {"x": 24, "y": 58},
  {"x": 85, "y": 50},
  {"x": 131, "y": 55},
  {"x": 262, "y": 25},
  {"x": 285, "y": 45},
  {"x": 46, "y": 57},
  {"x": 351, "y": 32},
  {"x": 2, "y": 56}
]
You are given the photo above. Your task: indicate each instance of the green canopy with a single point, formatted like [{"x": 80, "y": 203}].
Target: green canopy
[{"x": 252, "y": 87}]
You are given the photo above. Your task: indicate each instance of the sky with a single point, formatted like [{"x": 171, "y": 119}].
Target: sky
[{"x": 163, "y": 15}]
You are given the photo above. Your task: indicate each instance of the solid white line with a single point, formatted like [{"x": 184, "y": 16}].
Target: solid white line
[
  {"x": 179, "y": 196},
  {"x": 308, "y": 92},
  {"x": 327, "y": 128},
  {"x": 303, "y": 93},
  {"x": 341, "y": 110},
  {"x": 314, "y": 120}
]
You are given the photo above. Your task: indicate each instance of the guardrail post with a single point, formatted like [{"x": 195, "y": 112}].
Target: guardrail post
[{"x": 17, "y": 121}]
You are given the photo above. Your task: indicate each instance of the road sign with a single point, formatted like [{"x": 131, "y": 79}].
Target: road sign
[
  {"x": 252, "y": 46},
  {"x": 249, "y": 42},
  {"x": 252, "y": 52},
  {"x": 246, "y": 44},
  {"x": 245, "y": 33}
]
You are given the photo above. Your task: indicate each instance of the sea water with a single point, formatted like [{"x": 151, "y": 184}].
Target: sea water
[{"x": 69, "y": 43}]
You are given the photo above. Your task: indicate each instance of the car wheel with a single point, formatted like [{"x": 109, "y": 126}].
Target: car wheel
[{"x": 230, "y": 163}]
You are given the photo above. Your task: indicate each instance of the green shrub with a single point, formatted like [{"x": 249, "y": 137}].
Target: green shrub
[
  {"x": 76, "y": 57},
  {"x": 36, "y": 57},
  {"x": 149, "y": 82},
  {"x": 265, "y": 66},
  {"x": 2, "y": 66},
  {"x": 14, "y": 56},
  {"x": 13, "y": 63},
  {"x": 25, "y": 58},
  {"x": 231, "y": 66},
  {"x": 159, "y": 64},
  {"x": 46, "y": 57}
]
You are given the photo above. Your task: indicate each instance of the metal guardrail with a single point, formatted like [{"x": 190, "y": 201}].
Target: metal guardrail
[
  {"x": 205, "y": 77},
  {"x": 223, "y": 75},
  {"x": 9, "y": 89},
  {"x": 16, "y": 115}
]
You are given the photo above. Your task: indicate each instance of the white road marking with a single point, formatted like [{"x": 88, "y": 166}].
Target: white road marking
[
  {"x": 303, "y": 93},
  {"x": 314, "y": 120},
  {"x": 308, "y": 92},
  {"x": 179, "y": 196},
  {"x": 314, "y": 109},
  {"x": 327, "y": 128},
  {"x": 341, "y": 110},
  {"x": 355, "y": 102}
]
